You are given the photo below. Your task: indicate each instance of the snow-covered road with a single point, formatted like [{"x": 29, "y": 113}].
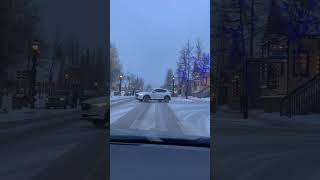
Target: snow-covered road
[{"x": 180, "y": 116}]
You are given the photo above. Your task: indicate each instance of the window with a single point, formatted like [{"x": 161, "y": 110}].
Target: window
[
  {"x": 236, "y": 85},
  {"x": 301, "y": 63},
  {"x": 160, "y": 90}
]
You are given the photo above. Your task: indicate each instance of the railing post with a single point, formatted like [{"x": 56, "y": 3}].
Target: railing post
[{"x": 289, "y": 107}]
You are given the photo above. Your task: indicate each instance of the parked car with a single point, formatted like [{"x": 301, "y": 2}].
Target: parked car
[
  {"x": 95, "y": 110},
  {"x": 156, "y": 94},
  {"x": 87, "y": 94},
  {"x": 58, "y": 99}
]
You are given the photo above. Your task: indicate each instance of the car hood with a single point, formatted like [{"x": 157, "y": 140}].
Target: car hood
[
  {"x": 97, "y": 101},
  {"x": 154, "y": 135}
]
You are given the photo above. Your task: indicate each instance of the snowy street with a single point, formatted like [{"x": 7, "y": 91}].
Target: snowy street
[
  {"x": 180, "y": 116},
  {"x": 266, "y": 146},
  {"x": 50, "y": 144}
]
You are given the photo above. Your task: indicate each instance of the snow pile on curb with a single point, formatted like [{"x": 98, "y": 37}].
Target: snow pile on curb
[
  {"x": 194, "y": 117},
  {"x": 118, "y": 98}
]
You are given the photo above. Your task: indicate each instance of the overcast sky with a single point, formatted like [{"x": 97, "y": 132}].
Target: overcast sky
[{"x": 150, "y": 33}]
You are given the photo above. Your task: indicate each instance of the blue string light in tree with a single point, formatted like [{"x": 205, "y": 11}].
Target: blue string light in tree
[
  {"x": 302, "y": 17},
  {"x": 202, "y": 65}
]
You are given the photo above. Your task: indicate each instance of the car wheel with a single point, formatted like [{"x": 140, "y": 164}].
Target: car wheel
[
  {"x": 166, "y": 99},
  {"x": 146, "y": 98}
]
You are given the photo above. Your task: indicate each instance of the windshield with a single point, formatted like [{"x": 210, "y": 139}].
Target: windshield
[{"x": 170, "y": 70}]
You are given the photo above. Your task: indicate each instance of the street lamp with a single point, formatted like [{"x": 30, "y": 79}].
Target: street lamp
[
  {"x": 173, "y": 86},
  {"x": 66, "y": 77},
  {"x": 35, "y": 54},
  {"x": 96, "y": 87},
  {"x": 120, "y": 84}
]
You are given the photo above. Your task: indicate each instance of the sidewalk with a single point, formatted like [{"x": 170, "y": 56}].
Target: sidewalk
[
  {"x": 18, "y": 124},
  {"x": 27, "y": 114},
  {"x": 258, "y": 116}
]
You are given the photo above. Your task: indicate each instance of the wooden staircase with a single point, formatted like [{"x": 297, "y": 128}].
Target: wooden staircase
[{"x": 303, "y": 99}]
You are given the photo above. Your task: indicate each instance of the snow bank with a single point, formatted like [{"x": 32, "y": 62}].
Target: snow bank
[
  {"x": 191, "y": 99},
  {"x": 117, "y": 98},
  {"x": 193, "y": 116}
]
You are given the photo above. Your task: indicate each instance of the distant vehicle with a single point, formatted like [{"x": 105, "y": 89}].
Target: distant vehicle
[
  {"x": 58, "y": 99},
  {"x": 87, "y": 94},
  {"x": 156, "y": 94}
]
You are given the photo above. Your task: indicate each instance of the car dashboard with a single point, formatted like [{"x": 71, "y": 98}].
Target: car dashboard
[{"x": 158, "y": 162}]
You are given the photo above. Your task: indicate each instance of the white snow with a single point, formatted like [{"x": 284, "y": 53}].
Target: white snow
[
  {"x": 117, "y": 98},
  {"x": 148, "y": 122},
  {"x": 116, "y": 112},
  {"x": 194, "y": 115}
]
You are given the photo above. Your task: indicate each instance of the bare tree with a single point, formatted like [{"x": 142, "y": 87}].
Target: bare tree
[
  {"x": 168, "y": 81},
  {"x": 115, "y": 65},
  {"x": 184, "y": 67}
]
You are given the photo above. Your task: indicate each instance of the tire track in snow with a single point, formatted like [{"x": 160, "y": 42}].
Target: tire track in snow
[{"x": 127, "y": 120}]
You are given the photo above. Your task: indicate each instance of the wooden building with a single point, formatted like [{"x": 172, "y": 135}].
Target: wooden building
[{"x": 284, "y": 78}]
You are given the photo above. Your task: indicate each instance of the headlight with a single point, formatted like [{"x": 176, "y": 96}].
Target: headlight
[{"x": 61, "y": 99}]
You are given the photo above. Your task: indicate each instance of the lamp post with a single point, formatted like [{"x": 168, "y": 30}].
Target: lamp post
[
  {"x": 96, "y": 87},
  {"x": 120, "y": 77},
  {"x": 66, "y": 77},
  {"x": 35, "y": 54},
  {"x": 173, "y": 86}
]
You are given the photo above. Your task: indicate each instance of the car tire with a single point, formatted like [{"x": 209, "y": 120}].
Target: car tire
[
  {"x": 166, "y": 99},
  {"x": 146, "y": 99}
]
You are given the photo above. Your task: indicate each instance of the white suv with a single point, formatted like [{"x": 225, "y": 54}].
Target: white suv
[{"x": 156, "y": 94}]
